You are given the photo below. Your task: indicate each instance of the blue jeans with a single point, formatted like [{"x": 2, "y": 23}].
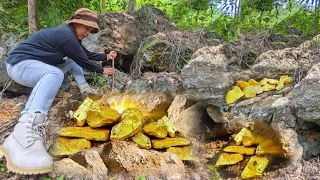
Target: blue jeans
[{"x": 45, "y": 80}]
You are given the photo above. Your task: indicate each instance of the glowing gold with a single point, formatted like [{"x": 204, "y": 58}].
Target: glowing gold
[
  {"x": 67, "y": 146},
  {"x": 242, "y": 84},
  {"x": 280, "y": 85},
  {"x": 240, "y": 150},
  {"x": 255, "y": 167},
  {"x": 268, "y": 87},
  {"x": 172, "y": 130},
  {"x": 184, "y": 152},
  {"x": 88, "y": 133},
  {"x": 228, "y": 159},
  {"x": 249, "y": 92},
  {"x": 233, "y": 95},
  {"x": 253, "y": 82},
  {"x": 263, "y": 82},
  {"x": 238, "y": 137},
  {"x": 129, "y": 126},
  {"x": 142, "y": 140},
  {"x": 99, "y": 116},
  {"x": 273, "y": 81},
  {"x": 121, "y": 102},
  {"x": 81, "y": 113},
  {"x": 169, "y": 142},
  {"x": 286, "y": 79}
]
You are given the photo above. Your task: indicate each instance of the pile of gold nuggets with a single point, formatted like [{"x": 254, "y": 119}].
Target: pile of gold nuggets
[
  {"x": 251, "y": 88},
  {"x": 256, "y": 146},
  {"x": 119, "y": 119}
]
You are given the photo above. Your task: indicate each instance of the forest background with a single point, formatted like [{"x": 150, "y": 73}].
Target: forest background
[{"x": 228, "y": 18}]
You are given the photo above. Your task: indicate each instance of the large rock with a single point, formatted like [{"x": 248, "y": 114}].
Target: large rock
[
  {"x": 83, "y": 165},
  {"x": 124, "y": 32},
  {"x": 91, "y": 160},
  {"x": 166, "y": 52},
  {"x": 7, "y": 43},
  {"x": 191, "y": 122},
  {"x": 206, "y": 77},
  {"x": 123, "y": 155},
  {"x": 120, "y": 81},
  {"x": 288, "y": 61},
  {"x": 309, "y": 140},
  {"x": 5, "y": 80},
  {"x": 178, "y": 105},
  {"x": 306, "y": 96},
  {"x": 158, "y": 82}
]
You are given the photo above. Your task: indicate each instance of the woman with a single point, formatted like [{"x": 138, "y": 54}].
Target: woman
[{"x": 41, "y": 62}]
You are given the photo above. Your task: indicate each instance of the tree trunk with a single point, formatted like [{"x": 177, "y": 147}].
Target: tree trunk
[
  {"x": 316, "y": 15},
  {"x": 131, "y": 5},
  {"x": 103, "y": 6},
  {"x": 236, "y": 15},
  {"x": 32, "y": 16}
]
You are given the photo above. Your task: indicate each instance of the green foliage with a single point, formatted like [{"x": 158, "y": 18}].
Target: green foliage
[
  {"x": 98, "y": 80},
  {"x": 215, "y": 174},
  {"x": 2, "y": 167},
  {"x": 317, "y": 43},
  {"x": 212, "y": 15},
  {"x": 143, "y": 176}
]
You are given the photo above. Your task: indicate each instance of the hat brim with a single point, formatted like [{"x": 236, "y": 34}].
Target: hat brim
[{"x": 86, "y": 23}]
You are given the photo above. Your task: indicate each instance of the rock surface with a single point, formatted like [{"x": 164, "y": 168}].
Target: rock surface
[{"x": 123, "y": 155}]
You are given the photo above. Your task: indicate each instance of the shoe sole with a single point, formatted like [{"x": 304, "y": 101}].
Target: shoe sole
[{"x": 21, "y": 170}]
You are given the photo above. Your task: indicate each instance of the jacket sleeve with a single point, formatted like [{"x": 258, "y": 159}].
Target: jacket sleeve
[
  {"x": 72, "y": 48},
  {"x": 94, "y": 56}
]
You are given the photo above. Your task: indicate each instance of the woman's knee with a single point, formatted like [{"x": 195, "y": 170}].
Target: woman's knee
[{"x": 57, "y": 75}]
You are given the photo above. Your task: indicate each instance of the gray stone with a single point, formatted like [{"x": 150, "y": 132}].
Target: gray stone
[
  {"x": 310, "y": 142},
  {"x": 306, "y": 97},
  {"x": 206, "y": 78}
]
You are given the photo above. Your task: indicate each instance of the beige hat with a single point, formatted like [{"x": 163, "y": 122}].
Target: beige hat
[{"x": 86, "y": 17}]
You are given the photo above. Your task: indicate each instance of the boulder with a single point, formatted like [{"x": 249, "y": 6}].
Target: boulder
[
  {"x": 124, "y": 155},
  {"x": 306, "y": 97},
  {"x": 310, "y": 142},
  {"x": 206, "y": 77},
  {"x": 124, "y": 31},
  {"x": 190, "y": 122},
  {"x": 166, "y": 52},
  {"x": 159, "y": 82},
  {"x": 86, "y": 164},
  {"x": 91, "y": 160},
  {"x": 288, "y": 61},
  {"x": 10, "y": 85},
  {"x": 178, "y": 105}
]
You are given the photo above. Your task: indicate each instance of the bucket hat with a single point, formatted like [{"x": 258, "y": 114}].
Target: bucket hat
[{"x": 86, "y": 17}]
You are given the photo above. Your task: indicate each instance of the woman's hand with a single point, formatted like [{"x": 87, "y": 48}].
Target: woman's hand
[
  {"x": 107, "y": 71},
  {"x": 112, "y": 55}
]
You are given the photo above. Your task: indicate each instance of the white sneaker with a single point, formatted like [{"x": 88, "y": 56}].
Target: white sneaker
[{"x": 24, "y": 149}]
